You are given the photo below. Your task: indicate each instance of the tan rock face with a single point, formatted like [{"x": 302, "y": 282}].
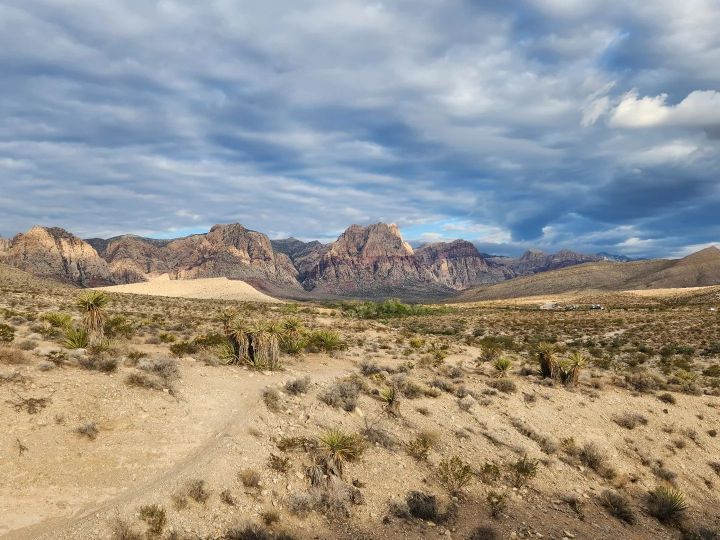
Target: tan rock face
[
  {"x": 376, "y": 258},
  {"x": 57, "y": 254}
]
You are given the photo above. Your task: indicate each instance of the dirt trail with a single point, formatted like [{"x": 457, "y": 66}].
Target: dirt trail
[{"x": 211, "y": 458}]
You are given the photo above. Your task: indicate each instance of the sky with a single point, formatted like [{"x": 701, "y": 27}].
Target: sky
[{"x": 585, "y": 124}]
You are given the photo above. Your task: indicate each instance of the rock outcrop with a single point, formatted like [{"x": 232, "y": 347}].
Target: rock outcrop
[{"x": 55, "y": 253}]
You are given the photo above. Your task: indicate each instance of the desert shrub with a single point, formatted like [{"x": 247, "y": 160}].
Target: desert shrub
[
  {"x": 250, "y": 478},
  {"x": 618, "y": 506},
  {"x": 271, "y": 397},
  {"x": 155, "y": 517},
  {"x": 380, "y": 437},
  {"x": 156, "y": 373},
  {"x": 183, "y": 348},
  {"x": 503, "y": 385},
  {"x": 88, "y": 429},
  {"x": 102, "y": 363},
  {"x": 420, "y": 446},
  {"x": 484, "y": 532},
  {"x": 196, "y": 490},
  {"x": 666, "y": 503},
  {"x": 118, "y": 326},
  {"x": 342, "y": 394},
  {"x": 167, "y": 338},
  {"x": 497, "y": 502},
  {"x": 324, "y": 341},
  {"x": 270, "y": 517},
  {"x": 386, "y": 309},
  {"x": 548, "y": 364},
  {"x": 12, "y": 356},
  {"x": 630, "y": 420},
  {"x": 211, "y": 339},
  {"x": 642, "y": 382},
  {"x": 454, "y": 474},
  {"x": 56, "y": 319},
  {"x": 667, "y": 397},
  {"x": 300, "y": 504},
  {"x": 593, "y": 457},
  {"x": 279, "y": 463},
  {"x": 368, "y": 368},
  {"x": 715, "y": 466},
  {"x": 227, "y": 498},
  {"x": 7, "y": 333},
  {"x": 422, "y": 505},
  {"x": 547, "y": 444},
  {"x": 121, "y": 530},
  {"x": 297, "y": 386},
  {"x": 523, "y": 470},
  {"x": 247, "y": 532},
  {"x": 443, "y": 384}
]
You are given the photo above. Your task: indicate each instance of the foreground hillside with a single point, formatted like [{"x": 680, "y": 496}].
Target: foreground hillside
[{"x": 380, "y": 421}]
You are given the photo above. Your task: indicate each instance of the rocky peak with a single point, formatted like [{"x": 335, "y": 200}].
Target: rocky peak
[
  {"x": 373, "y": 241},
  {"x": 55, "y": 253}
]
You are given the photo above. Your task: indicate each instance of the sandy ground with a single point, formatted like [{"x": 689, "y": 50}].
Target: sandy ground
[{"x": 206, "y": 288}]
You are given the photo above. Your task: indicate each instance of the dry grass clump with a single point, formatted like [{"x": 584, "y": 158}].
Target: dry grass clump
[
  {"x": 546, "y": 443},
  {"x": 618, "y": 506},
  {"x": 523, "y": 470},
  {"x": 194, "y": 489},
  {"x": 420, "y": 446},
  {"x": 156, "y": 373},
  {"x": 279, "y": 463},
  {"x": 271, "y": 398},
  {"x": 101, "y": 363},
  {"x": 484, "y": 532},
  {"x": 250, "y": 478},
  {"x": 155, "y": 517},
  {"x": 297, "y": 387},
  {"x": 593, "y": 457},
  {"x": 122, "y": 530},
  {"x": 630, "y": 420},
  {"x": 380, "y": 437},
  {"x": 31, "y": 405},
  {"x": 88, "y": 429},
  {"x": 423, "y": 506},
  {"x": 342, "y": 394},
  {"x": 12, "y": 356}
]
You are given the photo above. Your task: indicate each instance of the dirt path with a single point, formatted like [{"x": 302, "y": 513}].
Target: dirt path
[{"x": 215, "y": 457}]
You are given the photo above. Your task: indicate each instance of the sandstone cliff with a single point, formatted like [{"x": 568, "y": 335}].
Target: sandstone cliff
[{"x": 55, "y": 253}]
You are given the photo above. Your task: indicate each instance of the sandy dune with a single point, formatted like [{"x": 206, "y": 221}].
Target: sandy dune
[{"x": 206, "y": 288}]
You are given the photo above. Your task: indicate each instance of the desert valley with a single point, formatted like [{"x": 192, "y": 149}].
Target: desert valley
[{"x": 225, "y": 386}]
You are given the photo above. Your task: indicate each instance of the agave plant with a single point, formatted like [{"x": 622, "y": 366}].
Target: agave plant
[
  {"x": 92, "y": 305},
  {"x": 75, "y": 338}
]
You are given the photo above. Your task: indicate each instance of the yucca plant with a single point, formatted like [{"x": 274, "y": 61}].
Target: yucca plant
[
  {"x": 339, "y": 447},
  {"x": 75, "y": 338},
  {"x": 92, "y": 304},
  {"x": 502, "y": 366},
  {"x": 391, "y": 397},
  {"x": 454, "y": 474},
  {"x": 546, "y": 357},
  {"x": 568, "y": 370},
  {"x": 667, "y": 503},
  {"x": 57, "y": 319}
]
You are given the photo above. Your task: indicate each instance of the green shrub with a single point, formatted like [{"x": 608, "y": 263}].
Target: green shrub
[
  {"x": 76, "y": 338},
  {"x": 454, "y": 474},
  {"x": 7, "y": 333}
]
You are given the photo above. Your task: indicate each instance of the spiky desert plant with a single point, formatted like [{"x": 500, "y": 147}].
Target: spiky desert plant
[
  {"x": 75, "y": 338},
  {"x": 667, "y": 503},
  {"x": 502, "y": 366},
  {"x": 569, "y": 369},
  {"x": 57, "y": 319},
  {"x": 238, "y": 339},
  {"x": 546, "y": 357},
  {"x": 339, "y": 447},
  {"x": 264, "y": 352},
  {"x": 391, "y": 397},
  {"x": 92, "y": 304}
]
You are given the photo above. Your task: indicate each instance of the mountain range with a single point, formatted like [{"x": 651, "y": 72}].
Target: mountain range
[{"x": 364, "y": 262}]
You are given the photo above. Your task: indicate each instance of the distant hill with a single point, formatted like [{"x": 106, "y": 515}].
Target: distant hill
[{"x": 696, "y": 270}]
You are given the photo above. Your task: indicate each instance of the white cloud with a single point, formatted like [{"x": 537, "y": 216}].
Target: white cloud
[{"x": 698, "y": 109}]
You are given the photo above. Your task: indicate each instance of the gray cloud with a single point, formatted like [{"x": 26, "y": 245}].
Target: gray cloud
[{"x": 585, "y": 124}]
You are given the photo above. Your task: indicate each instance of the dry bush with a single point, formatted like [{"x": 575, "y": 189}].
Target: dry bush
[
  {"x": 454, "y": 474},
  {"x": 423, "y": 506},
  {"x": 342, "y": 394},
  {"x": 593, "y": 457},
  {"x": 420, "y": 446},
  {"x": 271, "y": 398},
  {"x": 155, "y": 518},
  {"x": 88, "y": 429},
  {"x": 618, "y": 506},
  {"x": 298, "y": 386},
  {"x": 12, "y": 355},
  {"x": 484, "y": 532},
  {"x": 630, "y": 420},
  {"x": 279, "y": 463},
  {"x": 523, "y": 470},
  {"x": 121, "y": 530},
  {"x": 250, "y": 478}
]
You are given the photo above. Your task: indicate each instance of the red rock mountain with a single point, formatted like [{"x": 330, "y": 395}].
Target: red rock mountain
[
  {"x": 371, "y": 261},
  {"x": 54, "y": 253}
]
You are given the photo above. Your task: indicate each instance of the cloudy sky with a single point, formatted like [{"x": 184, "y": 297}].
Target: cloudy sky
[{"x": 588, "y": 124}]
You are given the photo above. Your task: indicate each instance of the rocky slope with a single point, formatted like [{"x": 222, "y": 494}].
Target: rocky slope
[
  {"x": 57, "y": 254},
  {"x": 695, "y": 270},
  {"x": 534, "y": 261}
]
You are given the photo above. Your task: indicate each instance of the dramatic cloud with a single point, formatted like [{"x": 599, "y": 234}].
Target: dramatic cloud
[{"x": 586, "y": 124}]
